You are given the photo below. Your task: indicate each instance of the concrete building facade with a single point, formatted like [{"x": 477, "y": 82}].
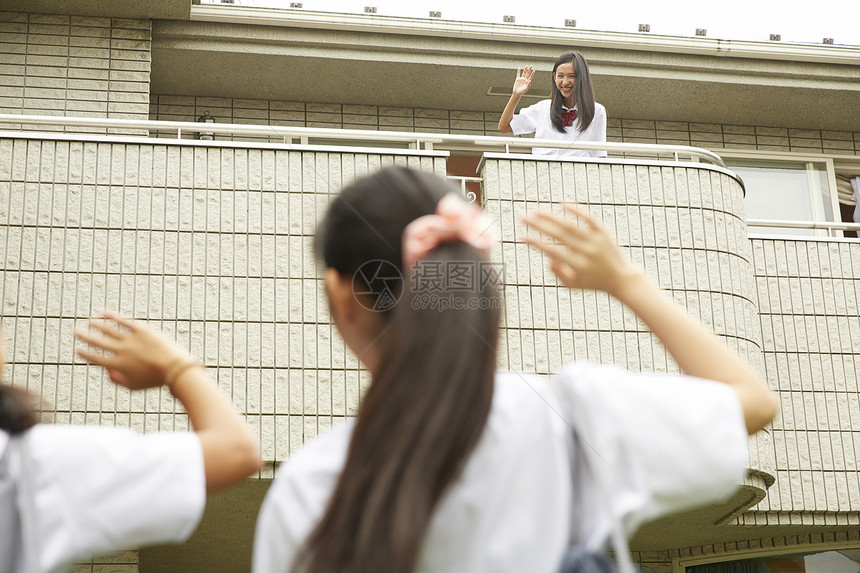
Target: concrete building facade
[{"x": 211, "y": 239}]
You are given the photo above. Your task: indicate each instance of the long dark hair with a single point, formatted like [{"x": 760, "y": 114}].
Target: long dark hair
[
  {"x": 583, "y": 93},
  {"x": 431, "y": 393},
  {"x": 17, "y": 409}
]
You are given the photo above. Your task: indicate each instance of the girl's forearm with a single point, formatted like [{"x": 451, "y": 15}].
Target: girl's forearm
[
  {"x": 230, "y": 452},
  {"x": 697, "y": 350},
  {"x": 508, "y": 114}
]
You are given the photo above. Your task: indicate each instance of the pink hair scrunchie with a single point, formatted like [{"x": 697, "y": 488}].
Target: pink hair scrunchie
[{"x": 454, "y": 220}]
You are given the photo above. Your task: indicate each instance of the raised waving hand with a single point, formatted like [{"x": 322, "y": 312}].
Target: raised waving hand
[
  {"x": 521, "y": 85},
  {"x": 137, "y": 356},
  {"x": 134, "y": 354},
  {"x": 584, "y": 256},
  {"x": 523, "y": 81}
]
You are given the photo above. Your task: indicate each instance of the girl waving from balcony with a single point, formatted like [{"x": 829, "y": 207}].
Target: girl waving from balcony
[
  {"x": 452, "y": 466},
  {"x": 571, "y": 114}
]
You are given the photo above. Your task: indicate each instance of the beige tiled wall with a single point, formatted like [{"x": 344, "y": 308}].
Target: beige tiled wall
[
  {"x": 710, "y": 136},
  {"x": 719, "y": 136},
  {"x": 809, "y": 299},
  {"x": 212, "y": 244},
  {"x": 327, "y": 115},
  {"x": 71, "y": 65}
]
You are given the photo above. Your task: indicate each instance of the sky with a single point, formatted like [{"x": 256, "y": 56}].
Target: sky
[{"x": 794, "y": 21}]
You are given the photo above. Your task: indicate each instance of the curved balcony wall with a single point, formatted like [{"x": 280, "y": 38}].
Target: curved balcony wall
[{"x": 683, "y": 222}]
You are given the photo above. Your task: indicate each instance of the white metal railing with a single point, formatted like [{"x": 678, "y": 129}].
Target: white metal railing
[
  {"x": 415, "y": 140},
  {"x": 461, "y": 180},
  {"x": 829, "y": 226}
]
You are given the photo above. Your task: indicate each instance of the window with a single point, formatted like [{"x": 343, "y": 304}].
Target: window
[{"x": 785, "y": 190}]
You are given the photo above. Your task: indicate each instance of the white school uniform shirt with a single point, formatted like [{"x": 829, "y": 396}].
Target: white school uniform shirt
[
  {"x": 668, "y": 442},
  {"x": 99, "y": 489},
  {"x": 536, "y": 119}
]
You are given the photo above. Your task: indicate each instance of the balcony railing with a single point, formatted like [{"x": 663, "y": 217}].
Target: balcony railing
[
  {"x": 830, "y": 226},
  {"x": 334, "y": 139},
  {"x": 410, "y": 140}
]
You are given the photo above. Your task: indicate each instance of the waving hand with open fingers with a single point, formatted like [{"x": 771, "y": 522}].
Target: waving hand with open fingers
[
  {"x": 523, "y": 81},
  {"x": 138, "y": 356},
  {"x": 583, "y": 255},
  {"x": 581, "y": 252},
  {"x": 135, "y": 355}
]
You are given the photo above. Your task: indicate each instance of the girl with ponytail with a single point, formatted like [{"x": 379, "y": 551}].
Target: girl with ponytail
[
  {"x": 571, "y": 114},
  {"x": 451, "y": 466}
]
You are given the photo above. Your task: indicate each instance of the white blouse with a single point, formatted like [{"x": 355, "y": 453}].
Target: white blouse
[
  {"x": 98, "y": 489},
  {"x": 668, "y": 442},
  {"x": 536, "y": 119}
]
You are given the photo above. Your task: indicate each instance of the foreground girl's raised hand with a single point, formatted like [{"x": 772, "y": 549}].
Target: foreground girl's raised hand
[
  {"x": 137, "y": 356},
  {"x": 134, "y": 354},
  {"x": 583, "y": 255}
]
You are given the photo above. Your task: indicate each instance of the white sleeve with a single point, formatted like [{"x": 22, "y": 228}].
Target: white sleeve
[
  {"x": 100, "y": 489},
  {"x": 297, "y": 499},
  {"x": 667, "y": 442},
  {"x": 280, "y": 528},
  {"x": 527, "y": 120}
]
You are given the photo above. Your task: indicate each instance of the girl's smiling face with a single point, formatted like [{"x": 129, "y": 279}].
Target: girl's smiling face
[{"x": 565, "y": 80}]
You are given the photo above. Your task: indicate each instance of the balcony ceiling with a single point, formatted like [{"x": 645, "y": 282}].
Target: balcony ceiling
[{"x": 359, "y": 66}]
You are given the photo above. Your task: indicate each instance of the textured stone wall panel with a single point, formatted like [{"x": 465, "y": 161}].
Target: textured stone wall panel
[
  {"x": 75, "y": 66},
  {"x": 684, "y": 226},
  {"x": 211, "y": 244},
  {"x": 809, "y": 293}
]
